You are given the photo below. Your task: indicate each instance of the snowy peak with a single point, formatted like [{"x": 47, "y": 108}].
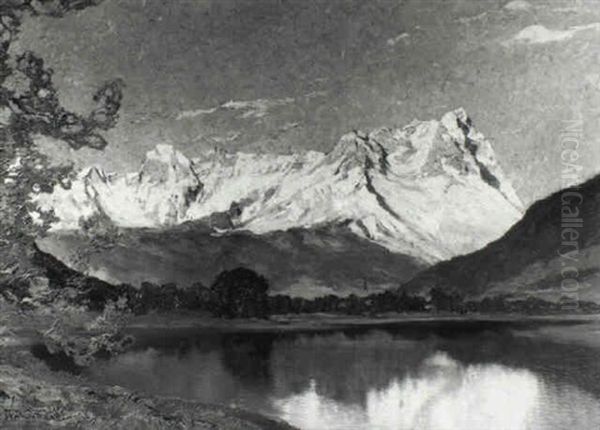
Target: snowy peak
[
  {"x": 432, "y": 190},
  {"x": 158, "y": 195},
  {"x": 357, "y": 150},
  {"x": 166, "y": 185},
  {"x": 451, "y": 146},
  {"x": 470, "y": 141},
  {"x": 164, "y": 164}
]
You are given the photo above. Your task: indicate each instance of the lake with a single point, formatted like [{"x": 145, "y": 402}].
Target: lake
[{"x": 455, "y": 375}]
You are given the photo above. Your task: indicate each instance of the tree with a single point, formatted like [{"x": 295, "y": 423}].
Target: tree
[
  {"x": 195, "y": 297},
  {"x": 443, "y": 299},
  {"x": 240, "y": 293},
  {"x": 33, "y": 109},
  {"x": 280, "y": 304},
  {"x": 354, "y": 305},
  {"x": 411, "y": 303}
]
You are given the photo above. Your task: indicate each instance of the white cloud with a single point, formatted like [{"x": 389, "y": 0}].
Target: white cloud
[
  {"x": 592, "y": 26},
  {"x": 256, "y": 108},
  {"x": 251, "y": 108},
  {"x": 313, "y": 94},
  {"x": 538, "y": 34},
  {"x": 393, "y": 41},
  {"x": 470, "y": 19},
  {"x": 196, "y": 112},
  {"x": 517, "y": 5}
]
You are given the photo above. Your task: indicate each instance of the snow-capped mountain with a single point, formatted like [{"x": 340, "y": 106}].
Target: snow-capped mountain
[
  {"x": 432, "y": 190},
  {"x": 159, "y": 194}
]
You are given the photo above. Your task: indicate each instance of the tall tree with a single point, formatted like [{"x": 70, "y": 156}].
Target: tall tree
[
  {"x": 240, "y": 293},
  {"x": 34, "y": 109}
]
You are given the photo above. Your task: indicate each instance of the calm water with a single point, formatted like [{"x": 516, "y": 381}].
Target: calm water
[{"x": 421, "y": 376}]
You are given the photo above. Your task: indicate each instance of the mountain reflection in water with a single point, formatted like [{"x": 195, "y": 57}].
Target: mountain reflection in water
[
  {"x": 462, "y": 378},
  {"x": 448, "y": 395}
]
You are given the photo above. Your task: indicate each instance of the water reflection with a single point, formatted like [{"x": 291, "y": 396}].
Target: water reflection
[
  {"x": 448, "y": 395},
  {"x": 378, "y": 379}
]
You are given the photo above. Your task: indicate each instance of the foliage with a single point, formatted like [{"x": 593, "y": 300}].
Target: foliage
[
  {"x": 168, "y": 297},
  {"x": 387, "y": 301},
  {"x": 240, "y": 293},
  {"x": 443, "y": 299},
  {"x": 63, "y": 283},
  {"x": 81, "y": 336},
  {"x": 30, "y": 107}
]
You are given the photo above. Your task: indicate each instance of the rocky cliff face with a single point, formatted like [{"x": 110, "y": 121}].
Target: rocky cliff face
[{"x": 431, "y": 190}]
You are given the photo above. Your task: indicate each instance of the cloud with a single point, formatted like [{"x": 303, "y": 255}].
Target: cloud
[
  {"x": 251, "y": 108},
  {"x": 196, "y": 112},
  {"x": 474, "y": 18},
  {"x": 517, "y": 5},
  {"x": 538, "y": 34},
  {"x": 393, "y": 41},
  {"x": 256, "y": 108},
  {"x": 212, "y": 138},
  {"x": 592, "y": 26},
  {"x": 313, "y": 94}
]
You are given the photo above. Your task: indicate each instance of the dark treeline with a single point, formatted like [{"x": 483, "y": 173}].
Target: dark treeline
[
  {"x": 448, "y": 300},
  {"x": 243, "y": 293},
  {"x": 388, "y": 301},
  {"x": 226, "y": 302}
]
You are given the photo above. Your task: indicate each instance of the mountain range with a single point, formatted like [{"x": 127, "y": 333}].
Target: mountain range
[
  {"x": 420, "y": 206},
  {"x": 430, "y": 191}
]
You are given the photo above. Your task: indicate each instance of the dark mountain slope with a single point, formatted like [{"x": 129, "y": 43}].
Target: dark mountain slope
[
  {"x": 547, "y": 254},
  {"x": 305, "y": 262}
]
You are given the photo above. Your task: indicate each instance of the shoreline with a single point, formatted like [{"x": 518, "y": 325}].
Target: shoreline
[
  {"x": 331, "y": 322},
  {"x": 33, "y": 394}
]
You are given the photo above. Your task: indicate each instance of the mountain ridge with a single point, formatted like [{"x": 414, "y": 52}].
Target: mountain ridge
[{"x": 432, "y": 190}]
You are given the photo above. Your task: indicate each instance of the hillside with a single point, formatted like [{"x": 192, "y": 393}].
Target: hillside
[
  {"x": 299, "y": 262},
  {"x": 529, "y": 258}
]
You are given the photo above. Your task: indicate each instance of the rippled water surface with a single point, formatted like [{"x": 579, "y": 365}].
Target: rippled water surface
[{"x": 459, "y": 375}]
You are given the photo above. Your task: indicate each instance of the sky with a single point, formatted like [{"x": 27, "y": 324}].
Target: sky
[{"x": 290, "y": 75}]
